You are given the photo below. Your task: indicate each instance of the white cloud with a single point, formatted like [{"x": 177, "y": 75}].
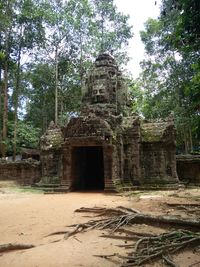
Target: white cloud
[{"x": 139, "y": 11}]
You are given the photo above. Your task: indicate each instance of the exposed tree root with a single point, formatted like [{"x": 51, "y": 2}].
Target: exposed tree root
[
  {"x": 188, "y": 207},
  {"x": 169, "y": 261},
  {"x": 128, "y": 217},
  {"x": 107, "y": 212},
  {"x": 160, "y": 246},
  {"x": 131, "y": 232},
  {"x": 144, "y": 247},
  {"x": 125, "y": 217},
  {"x": 127, "y": 238},
  {"x": 10, "y": 246},
  {"x": 183, "y": 204},
  {"x": 105, "y": 256},
  {"x": 57, "y": 233},
  {"x": 195, "y": 264}
]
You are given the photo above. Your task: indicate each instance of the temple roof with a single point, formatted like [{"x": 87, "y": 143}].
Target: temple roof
[
  {"x": 87, "y": 126},
  {"x": 52, "y": 138},
  {"x": 156, "y": 131}
]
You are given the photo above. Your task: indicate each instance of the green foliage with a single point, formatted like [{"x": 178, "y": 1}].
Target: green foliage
[
  {"x": 135, "y": 95},
  {"x": 74, "y": 38},
  {"x": 186, "y": 31},
  {"x": 112, "y": 29},
  {"x": 41, "y": 95},
  {"x": 21, "y": 30},
  {"x": 48, "y": 47},
  {"x": 170, "y": 76},
  {"x": 27, "y": 136}
]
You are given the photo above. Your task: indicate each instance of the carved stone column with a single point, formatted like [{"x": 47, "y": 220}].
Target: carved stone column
[
  {"x": 66, "y": 176},
  {"x": 108, "y": 168}
]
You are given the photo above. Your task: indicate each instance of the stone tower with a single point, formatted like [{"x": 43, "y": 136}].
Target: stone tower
[
  {"x": 104, "y": 86},
  {"x": 106, "y": 145}
]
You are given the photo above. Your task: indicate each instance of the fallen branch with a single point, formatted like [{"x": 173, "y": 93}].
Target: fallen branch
[{"x": 10, "y": 246}]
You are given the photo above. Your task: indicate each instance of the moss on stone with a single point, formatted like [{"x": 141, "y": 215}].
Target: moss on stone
[
  {"x": 52, "y": 139},
  {"x": 153, "y": 132}
]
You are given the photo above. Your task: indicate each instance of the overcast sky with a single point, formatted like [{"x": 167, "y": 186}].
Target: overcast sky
[{"x": 139, "y": 11}]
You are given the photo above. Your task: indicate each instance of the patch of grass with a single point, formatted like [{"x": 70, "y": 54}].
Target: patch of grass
[{"x": 25, "y": 189}]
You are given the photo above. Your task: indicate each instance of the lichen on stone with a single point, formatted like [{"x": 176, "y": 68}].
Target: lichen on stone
[
  {"x": 52, "y": 138},
  {"x": 153, "y": 132}
]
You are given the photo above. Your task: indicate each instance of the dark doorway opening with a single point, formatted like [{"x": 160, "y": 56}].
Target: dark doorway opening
[{"x": 87, "y": 171}]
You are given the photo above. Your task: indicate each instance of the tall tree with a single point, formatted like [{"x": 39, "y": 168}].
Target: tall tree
[
  {"x": 73, "y": 43},
  {"x": 6, "y": 35},
  {"x": 40, "y": 103},
  {"x": 170, "y": 70},
  {"x": 28, "y": 34},
  {"x": 21, "y": 30},
  {"x": 59, "y": 40},
  {"x": 112, "y": 29}
]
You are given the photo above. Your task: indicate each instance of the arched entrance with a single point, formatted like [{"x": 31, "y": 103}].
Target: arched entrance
[{"x": 87, "y": 168}]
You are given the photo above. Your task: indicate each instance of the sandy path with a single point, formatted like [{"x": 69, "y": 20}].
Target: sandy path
[{"x": 30, "y": 217}]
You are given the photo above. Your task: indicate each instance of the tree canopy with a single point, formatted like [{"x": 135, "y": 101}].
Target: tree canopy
[
  {"x": 171, "y": 69},
  {"x": 46, "y": 47}
]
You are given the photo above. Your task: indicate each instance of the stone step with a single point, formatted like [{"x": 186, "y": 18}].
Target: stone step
[
  {"x": 44, "y": 185},
  {"x": 51, "y": 188},
  {"x": 58, "y": 190},
  {"x": 150, "y": 187}
]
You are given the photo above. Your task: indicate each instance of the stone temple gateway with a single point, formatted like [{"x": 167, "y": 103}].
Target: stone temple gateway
[{"x": 107, "y": 145}]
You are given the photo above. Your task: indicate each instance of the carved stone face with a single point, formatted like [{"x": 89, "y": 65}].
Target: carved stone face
[{"x": 99, "y": 93}]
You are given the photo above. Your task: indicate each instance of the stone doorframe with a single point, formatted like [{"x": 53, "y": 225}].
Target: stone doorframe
[{"x": 67, "y": 149}]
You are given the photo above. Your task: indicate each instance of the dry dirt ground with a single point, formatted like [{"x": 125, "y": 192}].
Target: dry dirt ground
[{"x": 28, "y": 218}]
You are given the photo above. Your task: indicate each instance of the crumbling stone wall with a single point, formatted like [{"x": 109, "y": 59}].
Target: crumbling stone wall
[
  {"x": 25, "y": 172},
  {"x": 51, "y": 166},
  {"x": 158, "y": 163},
  {"x": 188, "y": 168},
  {"x": 50, "y": 155},
  {"x": 131, "y": 149},
  {"x": 158, "y": 151}
]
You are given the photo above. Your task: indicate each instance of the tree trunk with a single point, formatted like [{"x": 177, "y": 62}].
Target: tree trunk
[
  {"x": 61, "y": 109},
  {"x": 56, "y": 86},
  {"x": 81, "y": 57},
  {"x": 1, "y": 92},
  {"x": 102, "y": 34},
  {"x": 7, "y": 32},
  {"x": 44, "y": 113},
  {"x": 190, "y": 137},
  {"x": 185, "y": 139},
  {"x": 5, "y": 110},
  {"x": 16, "y": 98}
]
